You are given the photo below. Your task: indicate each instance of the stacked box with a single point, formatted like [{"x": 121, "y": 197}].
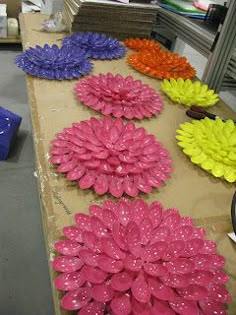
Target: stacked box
[
  {"x": 111, "y": 17},
  {"x": 3, "y": 21}
]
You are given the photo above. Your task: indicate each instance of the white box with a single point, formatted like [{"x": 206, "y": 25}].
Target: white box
[
  {"x": 3, "y": 21},
  {"x": 3, "y": 32}
]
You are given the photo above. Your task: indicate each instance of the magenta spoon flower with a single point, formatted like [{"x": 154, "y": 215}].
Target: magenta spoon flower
[
  {"x": 117, "y": 268},
  {"x": 111, "y": 156}
]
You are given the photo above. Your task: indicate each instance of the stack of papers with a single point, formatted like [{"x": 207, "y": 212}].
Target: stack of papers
[
  {"x": 118, "y": 19},
  {"x": 182, "y": 7}
]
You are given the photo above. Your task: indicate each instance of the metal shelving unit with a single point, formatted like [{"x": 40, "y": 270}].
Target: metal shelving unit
[
  {"x": 220, "y": 71},
  {"x": 197, "y": 34},
  {"x": 10, "y": 40}
]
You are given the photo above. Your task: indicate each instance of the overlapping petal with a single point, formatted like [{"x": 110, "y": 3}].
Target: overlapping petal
[
  {"x": 96, "y": 45},
  {"x": 189, "y": 93},
  {"x": 142, "y": 44},
  {"x": 119, "y": 96},
  {"x": 54, "y": 63},
  {"x": 111, "y": 156},
  {"x": 211, "y": 144},
  {"x": 134, "y": 275},
  {"x": 161, "y": 64}
]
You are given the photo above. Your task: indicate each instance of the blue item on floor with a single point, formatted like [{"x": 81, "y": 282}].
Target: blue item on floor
[{"x": 9, "y": 125}]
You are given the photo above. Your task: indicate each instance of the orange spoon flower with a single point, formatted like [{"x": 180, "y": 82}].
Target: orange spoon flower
[
  {"x": 142, "y": 44},
  {"x": 162, "y": 64}
]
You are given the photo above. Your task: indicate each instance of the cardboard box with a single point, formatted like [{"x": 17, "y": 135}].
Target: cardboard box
[
  {"x": 3, "y": 32},
  {"x": 3, "y": 21}
]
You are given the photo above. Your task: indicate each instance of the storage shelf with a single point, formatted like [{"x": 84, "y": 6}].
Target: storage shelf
[
  {"x": 10, "y": 40},
  {"x": 196, "y": 33}
]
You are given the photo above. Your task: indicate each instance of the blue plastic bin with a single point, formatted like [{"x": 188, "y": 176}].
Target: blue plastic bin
[{"x": 9, "y": 125}]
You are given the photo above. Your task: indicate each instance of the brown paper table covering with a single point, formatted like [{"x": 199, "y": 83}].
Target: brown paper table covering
[{"x": 192, "y": 190}]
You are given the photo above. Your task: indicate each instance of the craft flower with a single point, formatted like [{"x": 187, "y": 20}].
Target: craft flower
[
  {"x": 119, "y": 96},
  {"x": 161, "y": 64},
  {"x": 111, "y": 156},
  {"x": 142, "y": 44},
  {"x": 133, "y": 258},
  {"x": 189, "y": 93},
  {"x": 212, "y": 145},
  {"x": 54, "y": 63},
  {"x": 98, "y": 46}
]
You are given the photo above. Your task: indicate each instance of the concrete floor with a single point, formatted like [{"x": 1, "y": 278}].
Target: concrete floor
[{"x": 24, "y": 279}]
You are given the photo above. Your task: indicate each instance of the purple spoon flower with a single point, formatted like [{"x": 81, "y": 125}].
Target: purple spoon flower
[
  {"x": 98, "y": 46},
  {"x": 54, "y": 63}
]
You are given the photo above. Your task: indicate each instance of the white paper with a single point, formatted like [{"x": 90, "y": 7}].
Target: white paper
[
  {"x": 118, "y": 3},
  {"x": 232, "y": 236},
  {"x": 3, "y": 9},
  {"x": 123, "y": 1}
]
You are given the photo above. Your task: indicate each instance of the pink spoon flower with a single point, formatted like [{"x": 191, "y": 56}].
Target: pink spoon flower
[
  {"x": 119, "y": 96},
  {"x": 115, "y": 270},
  {"x": 111, "y": 156}
]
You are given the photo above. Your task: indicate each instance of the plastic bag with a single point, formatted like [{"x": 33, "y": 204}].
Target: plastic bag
[{"x": 54, "y": 25}]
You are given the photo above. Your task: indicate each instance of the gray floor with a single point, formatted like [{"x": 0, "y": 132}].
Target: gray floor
[{"x": 24, "y": 280}]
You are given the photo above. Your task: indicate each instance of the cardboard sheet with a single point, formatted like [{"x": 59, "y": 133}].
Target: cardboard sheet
[{"x": 192, "y": 190}]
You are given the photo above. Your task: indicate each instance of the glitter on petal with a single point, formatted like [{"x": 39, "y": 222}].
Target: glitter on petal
[
  {"x": 97, "y": 46},
  {"x": 54, "y": 63},
  {"x": 120, "y": 270}
]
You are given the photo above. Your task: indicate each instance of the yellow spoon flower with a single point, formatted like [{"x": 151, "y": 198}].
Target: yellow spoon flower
[
  {"x": 211, "y": 144},
  {"x": 189, "y": 93}
]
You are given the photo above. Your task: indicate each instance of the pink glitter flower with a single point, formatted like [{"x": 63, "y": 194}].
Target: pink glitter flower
[
  {"x": 118, "y": 96},
  {"x": 133, "y": 258},
  {"x": 111, "y": 156}
]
